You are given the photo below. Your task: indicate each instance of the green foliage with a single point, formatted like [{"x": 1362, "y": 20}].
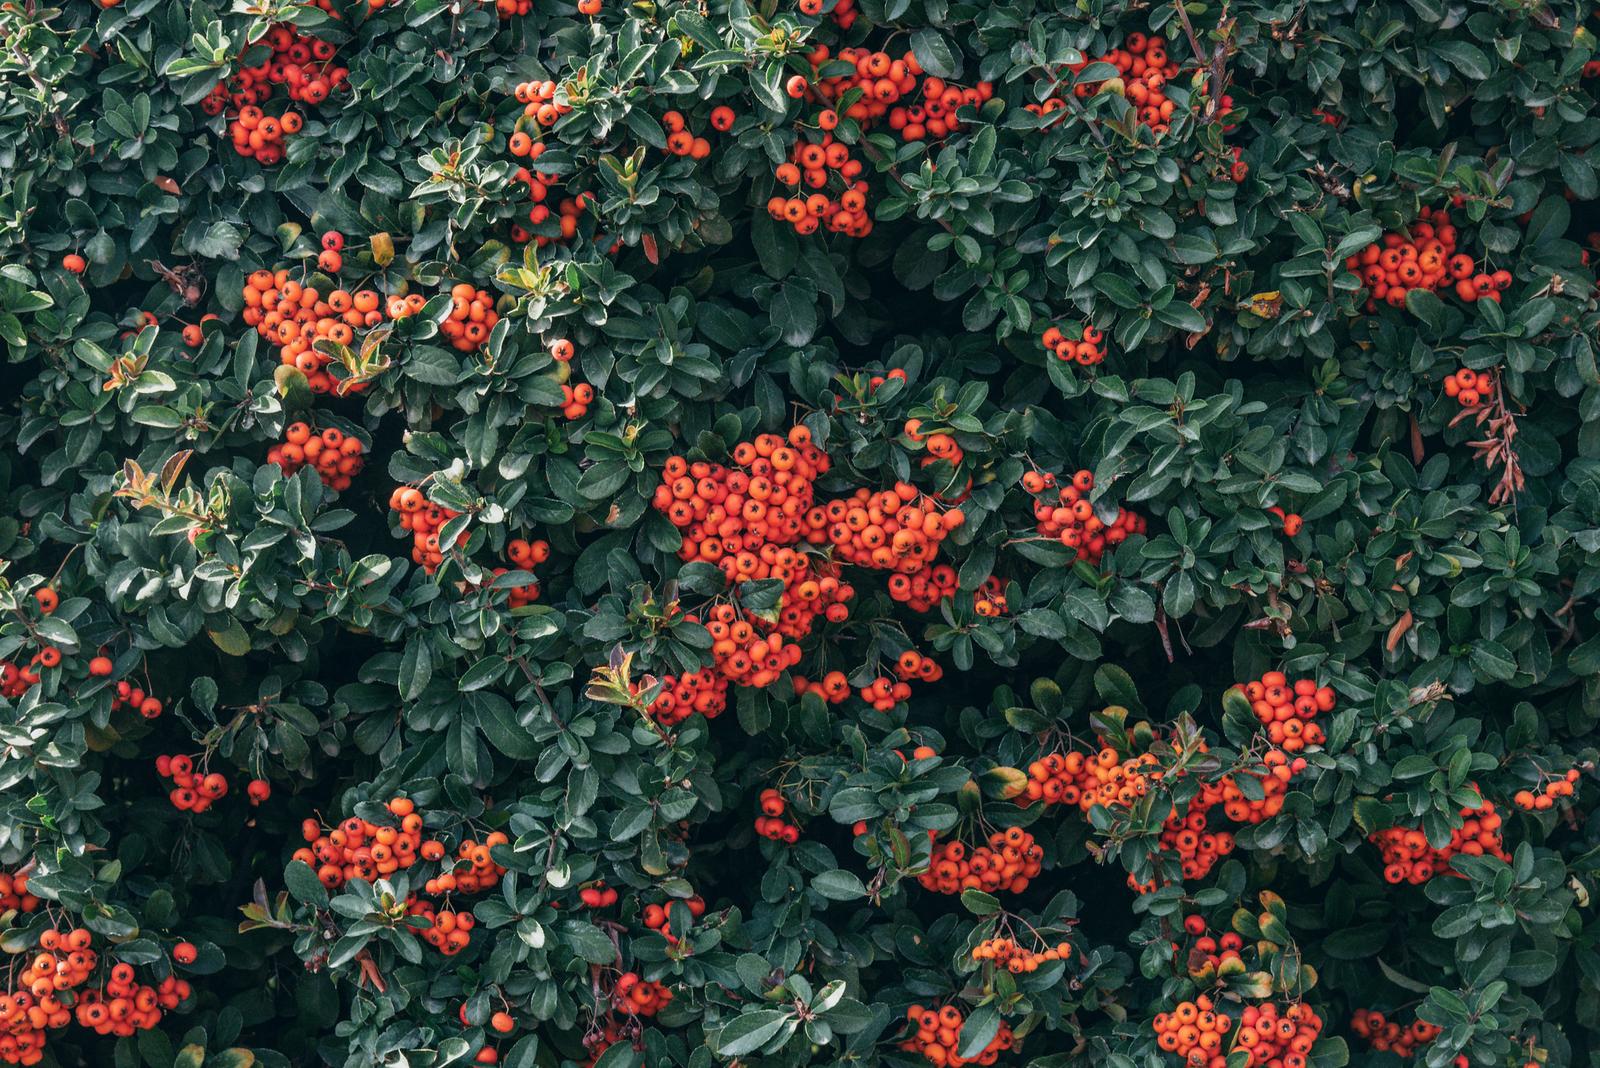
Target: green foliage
[{"x": 1443, "y": 583}]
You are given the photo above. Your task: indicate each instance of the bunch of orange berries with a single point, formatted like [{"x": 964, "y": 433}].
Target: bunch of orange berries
[
  {"x": 884, "y": 693},
  {"x": 1269, "y": 1037},
  {"x": 1210, "y": 950},
  {"x": 771, "y": 824},
  {"x": 544, "y": 110},
  {"x": 1083, "y": 350},
  {"x": 655, "y": 916},
  {"x": 475, "y": 869},
  {"x": 423, "y": 519},
  {"x": 1007, "y": 862},
  {"x": 1427, "y": 259},
  {"x": 936, "y": 1034},
  {"x": 1408, "y": 858},
  {"x": 1145, "y": 68},
  {"x": 303, "y": 66},
  {"x": 16, "y": 681},
  {"x": 681, "y": 141},
  {"x": 1194, "y": 1030},
  {"x": 1560, "y": 786},
  {"x": 295, "y": 317},
  {"x": 127, "y": 695},
  {"x": 681, "y": 696},
  {"x": 812, "y": 165},
  {"x": 575, "y": 400},
  {"x": 336, "y": 457},
  {"x": 525, "y": 555},
  {"x": 14, "y": 893},
  {"x": 510, "y": 9},
  {"x": 191, "y": 791},
  {"x": 471, "y": 317},
  {"x": 1471, "y": 389},
  {"x": 834, "y": 687},
  {"x": 1006, "y": 953},
  {"x": 887, "y": 88},
  {"x": 927, "y": 586},
  {"x": 1274, "y": 784},
  {"x": 1071, "y": 519},
  {"x": 359, "y": 849},
  {"x": 597, "y": 895},
  {"x": 640, "y": 997},
  {"x": 125, "y": 1006},
  {"x": 1288, "y": 710},
  {"x": 844, "y": 12},
  {"x": 899, "y": 529},
  {"x": 728, "y": 515},
  {"x": 1387, "y": 1036},
  {"x": 449, "y": 931},
  {"x": 989, "y": 599}
]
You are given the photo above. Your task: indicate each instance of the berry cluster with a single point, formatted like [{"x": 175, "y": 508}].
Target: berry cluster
[
  {"x": 471, "y": 317},
  {"x": 989, "y": 599},
  {"x": 336, "y": 457},
  {"x": 191, "y": 791},
  {"x": 127, "y": 695},
  {"x": 935, "y": 1034},
  {"x": 1288, "y": 710},
  {"x": 1083, "y": 349},
  {"x": 896, "y": 530},
  {"x": 1426, "y": 259},
  {"x": 1144, "y": 68},
  {"x": 771, "y": 824},
  {"x": 575, "y": 400},
  {"x": 124, "y": 1006},
  {"x": 423, "y": 519},
  {"x": 1006, "y": 953},
  {"x": 449, "y": 931},
  {"x": 655, "y": 916},
  {"x": 1387, "y": 1036},
  {"x": 303, "y": 66},
  {"x": 926, "y": 587},
  {"x": 884, "y": 693},
  {"x": 598, "y": 895},
  {"x": 1269, "y": 1037},
  {"x": 542, "y": 108},
  {"x": 681, "y": 141},
  {"x": 813, "y": 165},
  {"x": 1207, "y": 950},
  {"x": 359, "y": 849},
  {"x": 525, "y": 556},
  {"x": 295, "y": 317},
  {"x": 1408, "y": 858},
  {"x": 1194, "y": 1030},
  {"x": 887, "y": 88},
  {"x": 1009, "y": 860},
  {"x": 475, "y": 869},
  {"x": 1560, "y": 786},
  {"x": 1071, "y": 519},
  {"x": 639, "y": 997},
  {"x": 1471, "y": 389},
  {"x": 16, "y": 681},
  {"x": 681, "y": 696},
  {"x": 14, "y": 892}
]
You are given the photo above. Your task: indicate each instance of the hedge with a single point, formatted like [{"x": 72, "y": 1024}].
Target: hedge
[{"x": 799, "y": 532}]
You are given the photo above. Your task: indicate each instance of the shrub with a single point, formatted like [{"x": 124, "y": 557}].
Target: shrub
[{"x": 809, "y": 532}]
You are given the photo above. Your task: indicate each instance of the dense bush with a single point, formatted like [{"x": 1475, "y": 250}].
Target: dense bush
[{"x": 799, "y": 532}]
